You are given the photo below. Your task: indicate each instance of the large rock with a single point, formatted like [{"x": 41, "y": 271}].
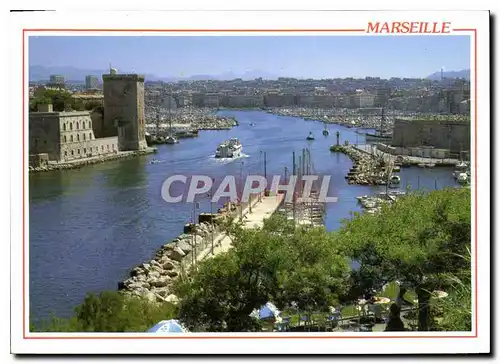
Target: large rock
[
  {"x": 150, "y": 296},
  {"x": 185, "y": 247},
  {"x": 155, "y": 263},
  {"x": 172, "y": 299},
  {"x": 153, "y": 274},
  {"x": 172, "y": 273},
  {"x": 160, "y": 282},
  {"x": 169, "y": 265},
  {"x": 146, "y": 267},
  {"x": 176, "y": 254}
]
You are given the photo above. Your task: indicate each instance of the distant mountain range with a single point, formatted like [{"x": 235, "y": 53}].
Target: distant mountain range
[
  {"x": 74, "y": 75},
  {"x": 41, "y": 73},
  {"x": 450, "y": 74}
]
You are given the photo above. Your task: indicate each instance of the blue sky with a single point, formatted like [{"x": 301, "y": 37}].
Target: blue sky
[{"x": 294, "y": 56}]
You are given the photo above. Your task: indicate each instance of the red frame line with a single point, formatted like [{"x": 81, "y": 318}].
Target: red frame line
[{"x": 25, "y": 337}]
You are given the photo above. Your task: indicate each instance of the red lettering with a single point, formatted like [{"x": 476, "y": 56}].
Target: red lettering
[
  {"x": 395, "y": 27},
  {"x": 385, "y": 28},
  {"x": 446, "y": 27},
  {"x": 405, "y": 27},
  {"x": 373, "y": 28}
]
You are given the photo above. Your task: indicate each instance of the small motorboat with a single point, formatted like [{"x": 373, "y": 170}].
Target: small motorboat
[
  {"x": 171, "y": 140},
  {"x": 310, "y": 136},
  {"x": 463, "y": 178},
  {"x": 395, "y": 180},
  {"x": 252, "y": 124},
  {"x": 155, "y": 161}
]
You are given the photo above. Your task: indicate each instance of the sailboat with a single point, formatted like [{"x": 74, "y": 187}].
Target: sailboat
[
  {"x": 310, "y": 136},
  {"x": 170, "y": 139},
  {"x": 380, "y": 134},
  {"x": 325, "y": 131}
]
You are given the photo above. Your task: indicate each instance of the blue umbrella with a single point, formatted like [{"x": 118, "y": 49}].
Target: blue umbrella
[
  {"x": 267, "y": 311},
  {"x": 168, "y": 326}
]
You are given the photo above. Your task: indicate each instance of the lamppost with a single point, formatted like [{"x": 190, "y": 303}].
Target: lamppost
[{"x": 241, "y": 201}]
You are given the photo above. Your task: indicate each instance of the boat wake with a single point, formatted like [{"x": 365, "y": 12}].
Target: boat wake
[{"x": 229, "y": 160}]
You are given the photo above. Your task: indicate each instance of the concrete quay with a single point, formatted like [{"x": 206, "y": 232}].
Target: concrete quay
[
  {"x": 79, "y": 163},
  {"x": 407, "y": 160}
]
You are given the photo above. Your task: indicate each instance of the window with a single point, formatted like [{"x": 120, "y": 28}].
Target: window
[
  {"x": 64, "y": 127},
  {"x": 84, "y": 137},
  {"x": 71, "y": 138},
  {"x": 102, "y": 148},
  {"x": 90, "y": 124},
  {"x": 78, "y": 137},
  {"x": 65, "y": 138},
  {"x": 90, "y": 136},
  {"x": 72, "y": 152},
  {"x": 84, "y": 124},
  {"x": 70, "y": 126},
  {"x": 65, "y": 153},
  {"x": 108, "y": 146},
  {"x": 77, "y": 125},
  {"x": 78, "y": 151},
  {"x": 84, "y": 150}
]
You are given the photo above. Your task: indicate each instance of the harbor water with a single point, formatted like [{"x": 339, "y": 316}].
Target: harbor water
[{"x": 89, "y": 227}]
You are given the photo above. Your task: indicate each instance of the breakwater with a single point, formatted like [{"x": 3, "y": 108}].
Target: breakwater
[
  {"x": 367, "y": 169},
  {"x": 154, "y": 280},
  {"x": 89, "y": 161}
]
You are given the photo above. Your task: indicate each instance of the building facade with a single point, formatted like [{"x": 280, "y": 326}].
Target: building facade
[
  {"x": 91, "y": 82},
  {"x": 56, "y": 81},
  {"x": 66, "y": 136},
  {"x": 124, "y": 110},
  {"x": 450, "y": 134}
]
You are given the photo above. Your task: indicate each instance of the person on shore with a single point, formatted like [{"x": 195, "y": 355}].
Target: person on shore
[
  {"x": 395, "y": 323},
  {"x": 400, "y": 300}
]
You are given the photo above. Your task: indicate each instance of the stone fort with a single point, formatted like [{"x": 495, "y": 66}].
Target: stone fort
[{"x": 72, "y": 135}]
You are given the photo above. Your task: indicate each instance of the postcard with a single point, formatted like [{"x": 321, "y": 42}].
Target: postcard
[{"x": 236, "y": 182}]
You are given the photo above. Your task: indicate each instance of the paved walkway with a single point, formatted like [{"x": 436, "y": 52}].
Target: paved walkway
[{"x": 255, "y": 219}]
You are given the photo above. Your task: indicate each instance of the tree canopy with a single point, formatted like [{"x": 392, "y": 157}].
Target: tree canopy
[
  {"x": 419, "y": 240},
  {"x": 277, "y": 263}
]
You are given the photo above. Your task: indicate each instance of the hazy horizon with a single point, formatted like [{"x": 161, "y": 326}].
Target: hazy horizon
[{"x": 276, "y": 56}]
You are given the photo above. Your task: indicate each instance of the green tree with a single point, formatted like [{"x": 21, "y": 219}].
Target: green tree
[
  {"x": 279, "y": 263},
  {"x": 60, "y": 100},
  {"x": 419, "y": 240},
  {"x": 112, "y": 311}
]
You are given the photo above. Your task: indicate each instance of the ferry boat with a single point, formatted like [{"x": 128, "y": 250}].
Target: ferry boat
[{"x": 231, "y": 148}]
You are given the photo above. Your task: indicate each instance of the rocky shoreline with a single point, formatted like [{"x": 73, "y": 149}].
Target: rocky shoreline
[
  {"x": 86, "y": 162},
  {"x": 154, "y": 279}
]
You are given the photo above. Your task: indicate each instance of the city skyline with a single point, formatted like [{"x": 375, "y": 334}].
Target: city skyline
[{"x": 266, "y": 56}]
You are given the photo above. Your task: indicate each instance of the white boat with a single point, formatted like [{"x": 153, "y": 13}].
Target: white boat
[
  {"x": 395, "y": 180},
  {"x": 231, "y": 148},
  {"x": 462, "y": 178},
  {"x": 310, "y": 136},
  {"x": 461, "y": 165},
  {"x": 171, "y": 140}
]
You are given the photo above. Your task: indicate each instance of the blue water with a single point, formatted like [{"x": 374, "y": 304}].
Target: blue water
[{"x": 89, "y": 227}]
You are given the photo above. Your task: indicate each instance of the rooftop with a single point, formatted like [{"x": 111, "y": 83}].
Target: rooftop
[{"x": 439, "y": 119}]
